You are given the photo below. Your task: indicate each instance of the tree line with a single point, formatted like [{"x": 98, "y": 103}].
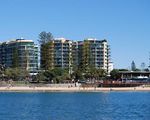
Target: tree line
[{"x": 48, "y": 72}]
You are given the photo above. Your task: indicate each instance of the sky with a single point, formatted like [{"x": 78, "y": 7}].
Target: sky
[{"x": 124, "y": 23}]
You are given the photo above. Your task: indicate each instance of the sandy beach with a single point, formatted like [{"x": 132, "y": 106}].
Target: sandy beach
[{"x": 71, "y": 89}]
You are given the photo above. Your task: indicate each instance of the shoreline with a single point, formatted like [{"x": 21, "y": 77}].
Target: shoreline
[{"x": 71, "y": 89}]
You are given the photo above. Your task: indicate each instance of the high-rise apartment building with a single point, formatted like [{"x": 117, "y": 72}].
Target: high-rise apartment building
[
  {"x": 59, "y": 54},
  {"x": 20, "y": 53},
  {"x": 94, "y": 53},
  {"x": 62, "y": 53},
  {"x": 90, "y": 52}
]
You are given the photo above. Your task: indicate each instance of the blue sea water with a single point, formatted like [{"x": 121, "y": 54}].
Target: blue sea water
[{"x": 75, "y": 106}]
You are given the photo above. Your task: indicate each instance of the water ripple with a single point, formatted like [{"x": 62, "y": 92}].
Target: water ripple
[{"x": 75, "y": 106}]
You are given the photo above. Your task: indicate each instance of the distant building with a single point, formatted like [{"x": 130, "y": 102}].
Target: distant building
[
  {"x": 20, "y": 53},
  {"x": 133, "y": 66}
]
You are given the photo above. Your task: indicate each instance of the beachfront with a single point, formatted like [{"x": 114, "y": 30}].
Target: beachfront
[{"x": 70, "y": 89}]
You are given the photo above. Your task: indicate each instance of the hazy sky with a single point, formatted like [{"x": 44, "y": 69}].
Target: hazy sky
[{"x": 124, "y": 23}]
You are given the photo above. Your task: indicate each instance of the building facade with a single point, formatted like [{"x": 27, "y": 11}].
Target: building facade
[
  {"x": 20, "y": 53},
  {"x": 62, "y": 53},
  {"x": 94, "y": 53},
  {"x": 59, "y": 54},
  {"x": 70, "y": 54}
]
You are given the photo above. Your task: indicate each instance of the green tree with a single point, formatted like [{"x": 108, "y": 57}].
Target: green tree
[
  {"x": 56, "y": 75},
  {"x": 40, "y": 77},
  {"x": 45, "y": 37},
  {"x": 46, "y": 46},
  {"x": 101, "y": 73},
  {"x": 59, "y": 74},
  {"x": 50, "y": 56},
  {"x": 115, "y": 74},
  {"x": 77, "y": 74},
  {"x": 16, "y": 73},
  {"x": 23, "y": 73},
  {"x": 94, "y": 73},
  {"x": 85, "y": 56},
  {"x": 49, "y": 75},
  {"x": 15, "y": 58},
  {"x": 26, "y": 59}
]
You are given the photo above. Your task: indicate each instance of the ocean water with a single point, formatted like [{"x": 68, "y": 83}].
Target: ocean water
[{"x": 75, "y": 106}]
